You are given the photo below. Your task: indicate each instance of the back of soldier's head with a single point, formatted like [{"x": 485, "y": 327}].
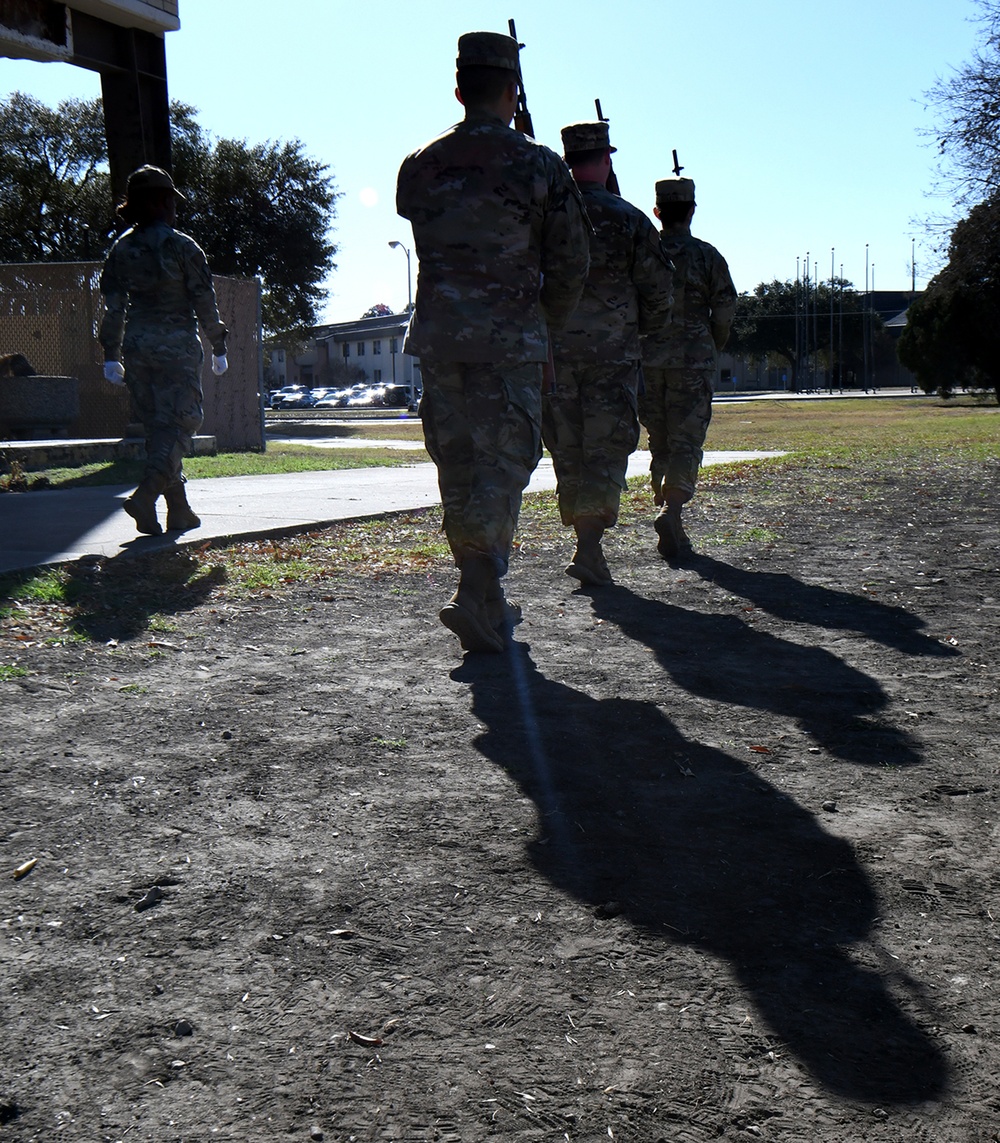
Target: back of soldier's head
[
  {"x": 674, "y": 200},
  {"x": 586, "y": 143},
  {"x": 487, "y": 64},
  {"x": 149, "y": 196}
]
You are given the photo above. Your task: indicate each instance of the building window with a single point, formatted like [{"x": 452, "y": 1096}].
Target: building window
[
  {"x": 393, "y": 345},
  {"x": 376, "y": 347},
  {"x": 361, "y": 349},
  {"x": 377, "y": 376},
  {"x": 347, "y": 350}
]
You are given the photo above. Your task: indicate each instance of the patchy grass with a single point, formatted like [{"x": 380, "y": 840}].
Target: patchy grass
[
  {"x": 405, "y": 429},
  {"x": 379, "y": 547},
  {"x": 8, "y": 671},
  {"x": 393, "y": 744},
  {"x": 44, "y": 585},
  {"x": 850, "y": 429},
  {"x": 279, "y": 458}
]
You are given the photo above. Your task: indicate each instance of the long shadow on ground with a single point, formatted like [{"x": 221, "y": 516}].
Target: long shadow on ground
[
  {"x": 114, "y": 598},
  {"x": 789, "y": 598},
  {"x": 722, "y": 658},
  {"x": 687, "y": 843}
]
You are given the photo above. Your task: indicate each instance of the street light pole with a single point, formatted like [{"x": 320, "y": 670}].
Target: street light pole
[
  {"x": 409, "y": 287},
  {"x": 409, "y": 307}
]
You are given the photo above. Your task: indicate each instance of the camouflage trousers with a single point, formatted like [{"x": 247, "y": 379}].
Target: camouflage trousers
[
  {"x": 589, "y": 424},
  {"x": 676, "y": 409},
  {"x": 164, "y": 377},
  {"x": 482, "y": 428}
]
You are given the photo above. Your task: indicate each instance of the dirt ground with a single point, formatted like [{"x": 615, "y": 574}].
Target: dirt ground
[{"x": 709, "y": 854}]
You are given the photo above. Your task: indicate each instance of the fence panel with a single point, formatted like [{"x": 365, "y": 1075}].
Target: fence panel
[{"x": 50, "y": 312}]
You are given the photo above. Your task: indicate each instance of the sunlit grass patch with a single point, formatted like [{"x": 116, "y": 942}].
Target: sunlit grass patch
[
  {"x": 285, "y": 458},
  {"x": 853, "y": 429},
  {"x": 277, "y": 460},
  {"x": 45, "y": 585},
  {"x": 759, "y": 536},
  {"x": 9, "y": 671},
  {"x": 393, "y": 744},
  {"x": 377, "y": 547},
  {"x": 160, "y": 625}
]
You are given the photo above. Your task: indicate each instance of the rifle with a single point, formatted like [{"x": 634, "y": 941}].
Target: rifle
[
  {"x": 522, "y": 116},
  {"x": 612, "y": 183},
  {"x": 677, "y": 166}
]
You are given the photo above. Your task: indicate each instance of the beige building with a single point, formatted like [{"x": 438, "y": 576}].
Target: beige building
[{"x": 368, "y": 350}]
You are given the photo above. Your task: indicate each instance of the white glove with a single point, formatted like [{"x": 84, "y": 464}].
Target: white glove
[
  {"x": 114, "y": 372},
  {"x": 219, "y": 364}
]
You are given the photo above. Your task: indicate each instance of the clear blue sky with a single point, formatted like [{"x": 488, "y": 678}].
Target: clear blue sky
[{"x": 798, "y": 119}]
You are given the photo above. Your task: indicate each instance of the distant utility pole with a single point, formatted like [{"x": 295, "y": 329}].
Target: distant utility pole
[
  {"x": 829, "y": 356},
  {"x": 798, "y": 338},
  {"x": 864, "y": 321},
  {"x": 840, "y": 339}
]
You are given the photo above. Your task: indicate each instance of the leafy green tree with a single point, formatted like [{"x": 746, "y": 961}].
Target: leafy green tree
[
  {"x": 785, "y": 319},
  {"x": 260, "y": 210},
  {"x": 55, "y": 197},
  {"x": 952, "y": 335},
  {"x": 380, "y": 309}
]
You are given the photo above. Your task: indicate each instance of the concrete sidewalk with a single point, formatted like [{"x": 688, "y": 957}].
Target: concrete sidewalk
[{"x": 51, "y": 527}]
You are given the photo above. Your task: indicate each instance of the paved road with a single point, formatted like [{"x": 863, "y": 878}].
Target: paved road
[{"x": 54, "y": 527}]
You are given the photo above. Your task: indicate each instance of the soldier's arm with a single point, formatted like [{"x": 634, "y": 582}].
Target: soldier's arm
[
  {"x": 112, "y": 329},
  {"x": 723, "y": 302},
  {"x": 198, "y": 279},
  {"x": 565, "y": 255},
  {"x": 653, "y": 278},
  {"x": 403, "y": 188}
]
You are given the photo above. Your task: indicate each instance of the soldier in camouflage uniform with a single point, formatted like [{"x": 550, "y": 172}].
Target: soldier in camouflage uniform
[
  {"x": 589, "y": 421},
  {"x": 681, "y": 362},
  {"x": 157, "y": 289},
  {"x": 502, "y": 240}
]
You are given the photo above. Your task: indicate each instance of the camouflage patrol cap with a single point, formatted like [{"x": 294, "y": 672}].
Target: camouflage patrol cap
[
  {"x": 675, "y": 190},
  {"x": 151, "y": 178},
  {"x": 487, "y": 49},
  {"x": 586, "y": 137}
]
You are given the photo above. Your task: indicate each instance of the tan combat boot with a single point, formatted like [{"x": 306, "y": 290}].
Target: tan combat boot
[
  {"x": 589, "y": 565},
  {"x": 465, "y": 613},
  {"x": 673, "y": 542},
  {"x": 180, "y": 518},
  {"x": 141, "y": 505},
  {"x": 502, "y": 615}
]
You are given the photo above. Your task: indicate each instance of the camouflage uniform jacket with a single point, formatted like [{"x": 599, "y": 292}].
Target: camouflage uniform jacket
[
  {"x": 502, "y": 239},
  {"x": 704, "y": 307},
  {"x": 158, "y": 280},
  {"x": 629, "y": 288}
]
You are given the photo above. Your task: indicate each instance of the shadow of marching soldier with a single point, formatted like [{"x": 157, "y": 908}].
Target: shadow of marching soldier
[
  {"x": 788, "y": 598},
  {"x": 726, "y": 660},
  {"x": 693, "y": 848}
]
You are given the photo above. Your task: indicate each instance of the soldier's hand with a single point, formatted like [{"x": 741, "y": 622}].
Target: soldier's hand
[
  {"x": 114, "y": 372},
  {"x": 219, "y": 364}
]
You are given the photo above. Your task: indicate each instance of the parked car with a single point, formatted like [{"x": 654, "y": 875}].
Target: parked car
[
  {"x": 299, "y": 401},
  {"x": 335, "y": 399},
  {"x": 292, "y": 397},
  {"x": 362, "y": 399},
  {"x": 396, "y": 396}
]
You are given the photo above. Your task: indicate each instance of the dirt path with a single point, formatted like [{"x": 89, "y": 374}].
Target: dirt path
[{"x": 709, "y": 854}]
